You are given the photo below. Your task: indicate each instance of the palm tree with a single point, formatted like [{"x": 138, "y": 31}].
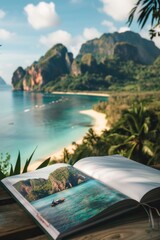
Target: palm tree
[
  {"x": 156, "y": 158},
  {"x": 98, "y": 145},
  {"x": 147, "y": 9},
  {"x": 134, "y": 134},
  {"x": 92, "y": 145}
]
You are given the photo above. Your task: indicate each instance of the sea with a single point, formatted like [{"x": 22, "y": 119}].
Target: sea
[
  {"x": 82, "y": 203},
  {"x": 45, "y": 122}
]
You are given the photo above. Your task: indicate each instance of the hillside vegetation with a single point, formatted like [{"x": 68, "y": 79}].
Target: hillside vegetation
[
  {"x": 58, "y": 180},
  {"x": 134, "y": 132}
]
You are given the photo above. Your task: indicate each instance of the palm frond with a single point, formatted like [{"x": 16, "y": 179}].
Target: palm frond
[
  {"x": 25, "y": 169},
  {"x": 131, "y": 16},
  {"x": 17, "y": 168},
  {"x": 11, "y": 171},
  {"x": 132, "y": 12},
  {"x": 149, "y": 10},
  {"x": 44, "y": 164},
  {"x": 2, "y": 175},
  {"x": 148, "y": 150},
  {"x": 131, "y": 150},
  {"x": 144, "y": 14}
]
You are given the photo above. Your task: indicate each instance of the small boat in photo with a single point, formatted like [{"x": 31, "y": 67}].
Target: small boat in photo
[{"x": 56, "y": 202}]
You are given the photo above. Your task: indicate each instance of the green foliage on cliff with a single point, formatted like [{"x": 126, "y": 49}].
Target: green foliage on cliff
[
  {"x": 104, "y": 47},
  {"x": 8, "y": 169},
  {"x": 58, "y": 180},
  {"x": 134, "y": 120}
]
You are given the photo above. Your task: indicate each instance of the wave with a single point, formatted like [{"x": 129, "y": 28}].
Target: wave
[{"x": 27, "y": 110}]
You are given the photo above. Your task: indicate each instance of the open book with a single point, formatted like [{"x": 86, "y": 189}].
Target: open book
[{"x": 64, "y": 199}]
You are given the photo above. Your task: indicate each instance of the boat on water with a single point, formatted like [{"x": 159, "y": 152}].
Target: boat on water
[{"x": 56, "y": 202}]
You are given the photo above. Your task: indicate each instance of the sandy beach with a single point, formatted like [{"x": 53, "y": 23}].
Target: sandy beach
[
  {"x": 83, "y": 93},
  {"x": 100, "y": 123}
]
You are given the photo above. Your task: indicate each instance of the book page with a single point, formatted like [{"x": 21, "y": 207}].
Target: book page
[
  {"x": 61, "y": 198},
  {"x": 129, "y": 177}
]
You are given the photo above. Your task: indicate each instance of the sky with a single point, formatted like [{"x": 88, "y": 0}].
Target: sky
[{"x": 30, "y": 28}]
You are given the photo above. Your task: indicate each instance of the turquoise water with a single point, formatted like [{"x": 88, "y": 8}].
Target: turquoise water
[
  {"x": 48, "y": 121},
  {"x": 81, "y": 203}
]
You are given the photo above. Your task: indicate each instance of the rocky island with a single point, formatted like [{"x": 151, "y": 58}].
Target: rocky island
[{"x": 59, "y": 180}]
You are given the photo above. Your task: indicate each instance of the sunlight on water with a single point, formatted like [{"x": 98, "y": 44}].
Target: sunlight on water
[
  {"x": 81, "y": 203},
  {"x": 48, "y": 121}
]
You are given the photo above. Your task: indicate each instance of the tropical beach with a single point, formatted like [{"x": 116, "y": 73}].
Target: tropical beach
[
  {"x": 83, "y": 93},
  {"x": 100, "y": 123},
  {"x": 51, "y": 122},
  {"x": 80, "y": 85}
]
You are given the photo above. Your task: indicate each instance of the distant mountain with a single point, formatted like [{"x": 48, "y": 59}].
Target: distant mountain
[
  {"x": 101, "y": 63},
  {"x": 2, "y": 82},
  {"x": 127, "y": 45},
  {"x": 55, "y": 63}
]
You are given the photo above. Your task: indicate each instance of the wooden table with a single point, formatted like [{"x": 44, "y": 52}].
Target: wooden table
[{"x": 15, "y": 224}]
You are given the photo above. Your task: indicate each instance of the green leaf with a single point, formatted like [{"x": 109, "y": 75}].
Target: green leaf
[
  {"x": 11, "y": 171},
  {"x": 44, "y": 164},
  {"x": 17, "y": 169},
  {"x": 25, "y": 169},
  {"x": 2, "y": 175}
]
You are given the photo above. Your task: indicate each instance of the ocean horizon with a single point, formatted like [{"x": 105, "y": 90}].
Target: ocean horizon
[{"x": 49, "y": 122}]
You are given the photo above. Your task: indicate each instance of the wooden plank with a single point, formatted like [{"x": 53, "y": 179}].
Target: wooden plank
[
  {"x": 15, "y": 222},
  {"x": 3, "y": 193},
  {"x": 5, "y": 197},
  {"x": 127, "y": 227},
  {"x": 43, "y": 237}
]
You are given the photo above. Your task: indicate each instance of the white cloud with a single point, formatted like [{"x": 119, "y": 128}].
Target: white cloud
[
  {"x": 2, "y": 14},
  {"x": 12, "y": 60},
  {"x": 59, "y": 36},
  {"x": 145, "y": 34},
  {"x": 5, "y": 35},
  {"x": 73, "y": 44},
  {"x": 157, "y": 41},
  {"x": 110, "y": 26},
  {"x": 76, "y": 44},
  {"x": 118, "y": 10},
  {"x": 90, "y": 33},
  {"x": 124, "y": 29},
  {"x": 42, "y": 15}
]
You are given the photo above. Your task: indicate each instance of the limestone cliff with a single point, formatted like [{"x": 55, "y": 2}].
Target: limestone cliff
[
  {"x": 55, "y": 63},
  {"x": 59, "y": 180},
  {"x": 104, "y": 47},
  {"x": 17, "y": 79},
  {"x": 97, "y": 59},
  {"x": 88, "y": 63},
  {"x": 125, "y": 52}
]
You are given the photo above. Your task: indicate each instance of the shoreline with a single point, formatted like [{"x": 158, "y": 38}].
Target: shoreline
[
  {"x": 83, "y": 93},
  {"x": 100, "y": 123}
]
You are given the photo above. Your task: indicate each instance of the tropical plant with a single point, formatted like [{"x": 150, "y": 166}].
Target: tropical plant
[
  {"x": 135, "y": 133},
  {"x": 4, "y": 162},
  {"x": 92, "y": 145},
  {"x": 17, "y": 169},
  {"x": 146, "y": 10}
]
